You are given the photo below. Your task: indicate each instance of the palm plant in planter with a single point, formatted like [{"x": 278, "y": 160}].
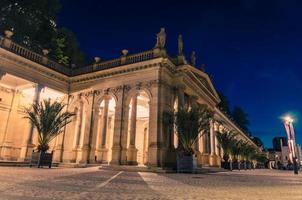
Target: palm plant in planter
[
  {"x": 248, "y": 152},
  {"x": 228, "y": 143},
  {"x": 190, "y": 124},
  {"x": 49, "y": 119}
]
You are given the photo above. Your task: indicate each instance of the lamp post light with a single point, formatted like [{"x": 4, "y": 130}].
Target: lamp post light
[{"x": 288, "y": 124}]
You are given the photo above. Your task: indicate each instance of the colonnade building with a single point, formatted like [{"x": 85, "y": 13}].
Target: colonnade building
[{"x": 119, "y": 105}]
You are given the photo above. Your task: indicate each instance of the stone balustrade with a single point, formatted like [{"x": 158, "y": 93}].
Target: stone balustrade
[
  {"x": 11, "y": 46},
  {"x": 8, "y": 44}
]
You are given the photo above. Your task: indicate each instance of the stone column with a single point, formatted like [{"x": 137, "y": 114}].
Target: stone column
[
  {"x": 79, "y": 125},
  {"x": 119, "y": 117},
  {"x": 28, "y": 145},
  {"x": 212, "y": 144},
  {"x": 59, "y": 149},
  {"x": 103, "y": 150},
  {"x": 105, "y": 122},
  {"x": 132, "y": 151},
  {"x": 12, "y": 119},
  {"x": 83, "y": 150},
  {"x": 93, "y": 147}
]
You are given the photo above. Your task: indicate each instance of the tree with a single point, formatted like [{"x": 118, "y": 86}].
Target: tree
[
  {"x": 224, "y": 104},
  {"x": 241, "y": 118},
  {"x": 247, "y": 152},
  {"x": 49, "y": 119},
  {"x": 227, "y": 142},
  {"x": 32, "y": 21},
  {"x": 71, "y": 47},
  {"x": 189, "y": 124},
  {"x": 34, "y": 25}
]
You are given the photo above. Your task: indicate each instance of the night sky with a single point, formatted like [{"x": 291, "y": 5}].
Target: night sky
[{"x": 251, "y": 48}]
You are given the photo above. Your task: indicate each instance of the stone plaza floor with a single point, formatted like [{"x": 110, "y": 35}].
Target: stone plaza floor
[{"x": 93, "y": 183}]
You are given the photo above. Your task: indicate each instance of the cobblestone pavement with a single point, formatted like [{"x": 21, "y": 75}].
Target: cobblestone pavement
[{"x": 92, "y": 183}]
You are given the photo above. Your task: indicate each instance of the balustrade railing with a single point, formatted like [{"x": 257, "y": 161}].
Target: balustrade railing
[
  {"x": 11, "y": 46},
  {"x": 33, "y": 56},
  {"x": 147, "y": 55},
  {"x": 128, "y": 59}
]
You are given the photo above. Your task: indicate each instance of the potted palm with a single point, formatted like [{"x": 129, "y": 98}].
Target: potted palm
[
  {"x": 227, "y": 142},
  {"x": 48, "y": 119},
  {"x": 190, "y": 124},
  {"x": 247, "y": 153}
]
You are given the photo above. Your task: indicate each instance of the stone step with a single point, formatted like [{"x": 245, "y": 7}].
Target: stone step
[
  {"x": 14, "y": 164},
  {"x": 19, "y": 164},
  {"x": 76, "y": 165}
]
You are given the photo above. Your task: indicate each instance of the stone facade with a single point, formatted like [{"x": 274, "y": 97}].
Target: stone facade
[{"x": 119, "y": 106}]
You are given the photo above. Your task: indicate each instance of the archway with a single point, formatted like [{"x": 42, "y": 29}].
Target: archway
[
  {"x": 138, "y": 129},
  {"x": 105, "y": 129}
]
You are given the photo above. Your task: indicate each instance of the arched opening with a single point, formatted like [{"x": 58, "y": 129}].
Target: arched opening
[
  {"x": 105, "y": 128},
  {"x": 138, "y": 129}
]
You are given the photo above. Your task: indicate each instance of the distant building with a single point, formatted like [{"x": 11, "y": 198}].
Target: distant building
[
  {"x": 279, "y": 155},
  {"x": 278, "y": 142}
]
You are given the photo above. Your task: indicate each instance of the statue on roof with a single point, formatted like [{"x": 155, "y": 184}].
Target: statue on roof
[
  {"x": 161, "y": 38},
  {"x": 180, "y": 45},
  {"x": 193, "y": 58}
]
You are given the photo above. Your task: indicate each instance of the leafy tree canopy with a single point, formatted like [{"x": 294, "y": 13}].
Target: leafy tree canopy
[
  {"x": 34, "y": 25},
  {"x": 224, "y": 104},
  {"x": 241, "y": 118}
]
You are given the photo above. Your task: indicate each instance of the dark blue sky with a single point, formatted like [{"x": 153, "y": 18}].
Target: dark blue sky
[{"x": 251, "y": 48}]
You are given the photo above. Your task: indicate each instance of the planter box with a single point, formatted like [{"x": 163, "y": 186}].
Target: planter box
[
  {"x": 185, "y": 163},
  {"x": 41, "y": 159}
]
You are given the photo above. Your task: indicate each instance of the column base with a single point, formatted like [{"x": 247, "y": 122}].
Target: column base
[
  {"x": 57, "y": 154},
  {"x": 153, "y": 153},
  {"x": 123, "y": 160},
  {"x": 132, "y": 156},
  {"x": 115, "y": 158},
  {"x": 25, "y": 153},
  {"x": 82, "y": 155},
  {"x": 6, "y": 151},
  {"x": 214, "y": 160},
  {"x": 101, "y": 155}
]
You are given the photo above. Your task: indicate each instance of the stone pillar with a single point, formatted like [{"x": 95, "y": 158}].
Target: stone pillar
[
  {"x": 59, "y": 148},
  {"x": 94, "y": 137},
  {"x": 28, "y": 145},
  {"x": 154, "y": 128},
  {"x": 119, "y": 116},
  {"x": 212, "y": 144},
  {"x": 103, "y": 150},
  {"x": 83, "y": 150},
  {"x": 6, "y": 146},
  {"x": 79, "y": 125},
  {"x": 132, "y": 151}
]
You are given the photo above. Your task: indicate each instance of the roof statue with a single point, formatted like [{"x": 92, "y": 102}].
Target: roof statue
[
  {"x": 161, "y": 38},
  {"x": 193, "y": 58},
  {"x": 180, "y": 45}
]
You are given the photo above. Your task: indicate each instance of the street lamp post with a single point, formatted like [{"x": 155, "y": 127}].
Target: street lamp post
[{"x": 288, "y": 124}]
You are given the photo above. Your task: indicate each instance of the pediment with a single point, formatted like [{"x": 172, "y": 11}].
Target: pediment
[{"x": 202, "y": 80}]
